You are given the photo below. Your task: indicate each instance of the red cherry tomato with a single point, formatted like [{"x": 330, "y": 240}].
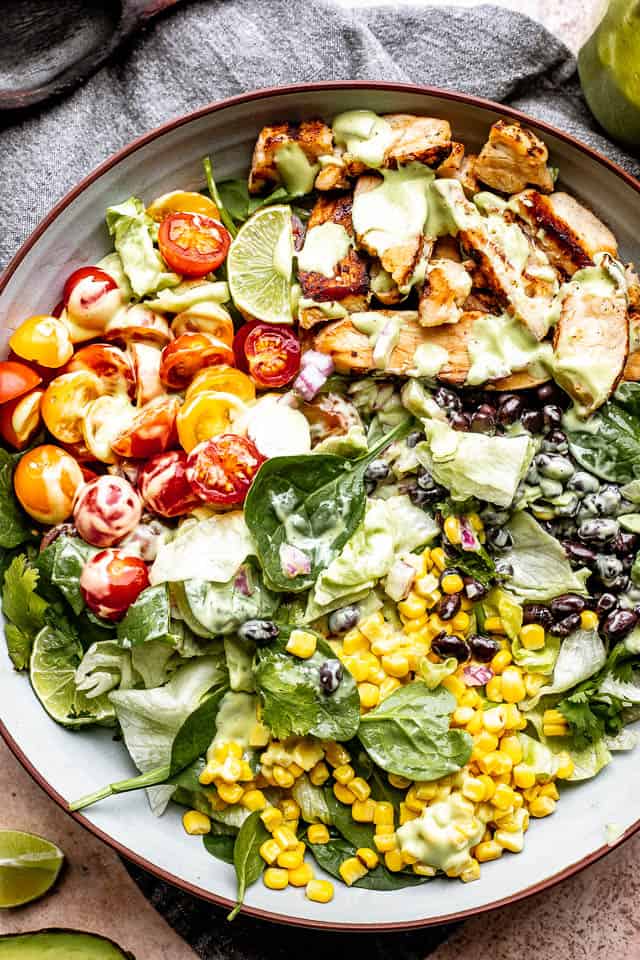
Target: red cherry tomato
[
  {"x": 16, "y": 379},
  {"x": 193, "y": 244},
  {"x": 102, "y": 281},
  {"x": 273, "y": 355},
  {"x": 145, "y": 358},
  {"x": 188, "y": 354},
  {"x": 20, "y": 419},
  {"x": 239, "y": 342},
  {"x": 110, "y": 364},
  {"x": 220, "y": 471},
  {"x": 106, "y": 510},
  {"x": 91, "y": 298},
  {"x": 152, "y": 431},
  {"x": 110, "y": 582},
  {"x": 164, "y": 487}
]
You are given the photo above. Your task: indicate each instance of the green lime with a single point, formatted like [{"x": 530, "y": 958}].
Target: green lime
[
  {"x": 259, "y": 265},
  {"x": 60, "y": 945},
  {"x": 29, "y": 866}
]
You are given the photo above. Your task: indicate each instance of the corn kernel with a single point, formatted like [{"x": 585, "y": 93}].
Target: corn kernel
[
  {"x": 270, "y": 851},
  {"x": 406, "y": 814},
  {"x": 437, "y": 625},
  {"x": 384, "y": 829},
  {"x": 196, "y": 823},
  {"x": 318, "y": 833},
  {"x": 488, "y": 850},
  {"x": 452, "y": 583},
  {"x": 301, "y": 644},
  {"x": 368, "y": 856},
  {"x": 357, "y": 666},
  {"x": 285, "y": 838},
  {"x": 494, "y": 625},
  {"x": 470, "y": 698},
  {"x": 495, "y": 763},
  {"x": 413, "y": 607},
  {"x": 388, "y": 686},
  {"x": 290, "y": 809},
  {"x": 376, "y": 675},
  {"x": 513, "y": 842},
  {"x": 282, "y": 777},
  {"x": 476, "y": 522},
  {"x": 513, "y": 717},
  {"x": 351, "y": 870},
  {"x": 461, "y": 716},
  {"x": 461, "y": 622},
  {"x": 533, "y": 682},
  {"x": 425, "y": 586},
  {"x": 589, "y": 620},
  {"x": 344, "y": 773},
  {"x": 439, "y": 558},
  {"x": 319, "y": 774},
  {"x": 474, "y": 725},
  {"x": 422, "y": 870},
  {"x": 412, "y": 802},
  {"x": 493, "y": 689},
  {"x": 531, "y": 793},
  {"x": 424, "y": 790},
  {"x": 360, "y": 788},
  {"x": 473, "y": 789},
  {"x": 454, "y": 685},
  {"x": 343, "y": 794},
  {"x": 471, "y": 872},
  {"x": 363, "y": 811},
  {"x": 495, "y": 720},
  {"x": 549, "y": 790},
  {"x": 301, "y": 876},
  {"x": 485, "y": 743},
  {"x": 565, "y": 766},
  {"x": 554, "y": 730},
  {"x": 400, "y": 783},
  {"x": 295, "y": 770},
  {"x": 501, "y": 660},
  {"x": 532, "y": 636},
  {"x": 276, "y": 878},
  {"x": 320, "y": 891},
  {"x": 336, "y": 754},
  {"x": 512, "y": 747},
  {"x": 254, "y": 800},
  {"x": 230, "y": 792},
  {"x": 451, "y": 529},
  {"x": 372, "y": 626},
  {"x": 385, "y": 843},
  {"x": 394, "y": 861},
  {"x": 503, "y": 797},
  {"x": 354, "y": 641},
  {"x": 395, "y": 665},
  {"x": 384, "y": 814},
  {"x": 553, "y": 718},
  {"x": 542, "y": 806},
  {"x": 369, "y": 695},
  {"x": 291, "y": 859},
  {"x": 409, "y": 858},
  {"x": 513, "y": 689}
]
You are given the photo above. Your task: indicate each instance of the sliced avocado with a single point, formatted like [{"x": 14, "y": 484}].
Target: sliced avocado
[{"x": 60, "y": 945}]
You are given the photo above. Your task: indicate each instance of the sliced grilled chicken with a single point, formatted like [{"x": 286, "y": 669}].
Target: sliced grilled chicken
[
  {"x": 513, "y": 158},
  {"x": 459, "y": 166},
  {"x": 413, "y": 139},
  {"x": 446, "y": 287},
  {"x": 632, "y": 366},
  {"x": 333, "y": 176},
  {"x": 521, "y": 380},
  {"x": 383, "y": 286},
  {"x": 568, "y": 232},
  {"x": 314, "y": 137}
]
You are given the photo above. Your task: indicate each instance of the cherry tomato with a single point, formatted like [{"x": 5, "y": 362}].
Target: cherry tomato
[
  {"x": 193, "y": 244},
  {"x": 78, "y": 333},
  {"x": 65, "y": 401},
  {"x": 207, "y": 317},
  {"x": 58, "y": 309},
  {"x": 189, "y": 354},
  {"x": 221, "y": 471},
  {"x": 46, "y": 481},
  {"x": 138, "y": 323},
  {"x": 239, "y": 342},
  {"x": 91, "y": 297},
  {"x": 43, "y": 339},
  {"x": 20, "y": 419},
  {"x": 110, "y": 582},
  {"x": 273, "y": 354},
  {"x": 16, "y": 379},
  {"x": 164, "y": 487},
  {"x": 152, "y": 431},
  {"x": 106, "y": 510},
  {"x": 146, "y": 368},
  {"x": 110, "y": 364},
  {"x": 207, "y": 414},
  {"x": 182, "y": 201},
  {"x": 225, "y": 379},
  {"x": 46, "y": 374},
  {"x": 103, "y": 421}
]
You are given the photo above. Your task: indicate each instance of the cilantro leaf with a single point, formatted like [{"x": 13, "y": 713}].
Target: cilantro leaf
[
  {"x": 15, "y": 527},
  {"x": 23, "y": 607}
]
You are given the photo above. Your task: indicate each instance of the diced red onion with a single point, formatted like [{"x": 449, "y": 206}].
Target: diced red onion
[
  {"x": 315, "y": 368},
  {"x": 384, "y": 343},
  {"x": 241, "y": 582},
  {"x": 293, "y": 561},
  {"x": 468, "y": 538},
  {"x": 399, "y": 580},
  {"x": 321, "y": 361},
  {"x": 476, "y": 675}
]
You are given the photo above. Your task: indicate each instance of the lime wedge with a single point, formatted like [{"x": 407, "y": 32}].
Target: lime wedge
[
  {"x": 259, "y": 265},
  {"x": 29, "y": 866}
]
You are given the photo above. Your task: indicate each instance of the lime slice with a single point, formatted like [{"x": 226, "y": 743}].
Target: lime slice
[
  {"x": 52, "y": 669},
  {"x": 29, "y": 866},
  {"x": 259, "y": 265}
]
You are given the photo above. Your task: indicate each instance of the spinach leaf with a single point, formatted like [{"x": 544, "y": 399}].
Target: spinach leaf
[
  {"x": 294, "y": 702},
  {"x": 311, "y": 503},
  {"x": 358, "y": 834},
  {"x": 408, "y": 734},
  {"x": 225, "y": 216},
  {"x": 240, "y": 204},
  {"x": 627, "y": 396},
  {"x": 220, "y": 845},
  {"x": 148, "y": 617},
  {"x": 15, "y": 526},
  {"x": 611, "y": 446},
  {"x": 24, "y": 608},
  {"x": 330, "y": 855},
  {"x": 69, "y": 557},
  {"x": 246, "y": 856},
  {"x": 381, "y": 790}
]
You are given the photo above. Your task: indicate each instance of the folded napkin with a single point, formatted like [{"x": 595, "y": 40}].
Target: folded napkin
[{"x": 206, "y": 50}]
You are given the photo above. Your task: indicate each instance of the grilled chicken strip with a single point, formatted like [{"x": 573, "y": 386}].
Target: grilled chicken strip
[
  {"x": 314, "y": 138},
  {"x": 446, "y": 287},
  {"x": 413, "y": 139},
  {"x": 459, "y": 166},
  {"x": 513, "y": 158}
]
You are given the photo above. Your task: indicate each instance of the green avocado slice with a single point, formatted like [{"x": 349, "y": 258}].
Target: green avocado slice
[{"x": 60, "y": 945}]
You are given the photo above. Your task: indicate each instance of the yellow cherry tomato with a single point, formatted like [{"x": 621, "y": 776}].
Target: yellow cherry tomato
[
  {"x": 103, "y": 422},
  {"x": 44, "y": 340},
  {"x": 182, "y": 201},
  {"x": 206, "y": 415},
  {"x": 205, "y": 317},
  {"x": 225, "y": 379},
  {"x": 46, "y": 481},
  {"x": 65, "y": 401}
]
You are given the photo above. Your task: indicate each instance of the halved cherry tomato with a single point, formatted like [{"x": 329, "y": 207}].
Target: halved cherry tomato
[
  {"x": 182, "y": 201},
  {"x": 138, "y": 323},
  {"x": 225, "y": 379},
  {"x": 103, "y": 421},
  {"x": 44, "y": 340},
  {"x": 221, "y": 471},
  {"x": 273, "y": 354},
  {"x": 189, "y": 354},
  {"x": 46, "y": 481},
  {"x": 20, "y": 419},
  {"x": 91, "y": 297},
  {"x": 110, "y": 364},
  {"x": 46, "y": 374},
  {"x": 163, "y": 485},
  {"x": 110, "y": 582},
  {"x": 193, "y": 244},
  {"x": 207, "y": 317},
  {"x": 146, "y": 367},
  {"x": 239, "y": 342},
  {"x": 16, "y": 379},
  {"x": 207, "y": 414},
  {"x": 106, "y": 510},
  {"x": 65, "y": 401},
  {"x": 152, "y": 431}
]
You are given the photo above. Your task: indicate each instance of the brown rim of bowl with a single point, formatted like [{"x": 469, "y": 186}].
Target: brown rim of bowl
[{"x": 481, "y": 104}]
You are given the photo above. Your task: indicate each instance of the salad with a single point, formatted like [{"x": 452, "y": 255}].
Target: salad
[{"x": 323, "y": 489}]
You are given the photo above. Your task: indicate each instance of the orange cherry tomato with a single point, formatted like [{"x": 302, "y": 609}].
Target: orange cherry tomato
[
  {"x": 182, "y": 201},
  {"x": 152, "y": 431},
  {"x": 16, "y": 379},
  {"x": 189, "y": 354},
  {"x": 110, "y": 582},
  {"x": 146, "y": 368},
  {"x": 46, "y": 482},
  {"x": 192, "y": 244},
  {"x": 225, "y": 379},
  {"x": 20, "y": 419},
  {"x": 273, "y": 354},
  {"x": 138, "y": 322},
  {"x": 221, "y": 471},
  {"x": 206, "y": 415},
  {"x": 111, "y": 365},
  {"x": 44, "y": 340},
  {"x": 207, "y": 317},
  {"x": 65, "y": 401}
]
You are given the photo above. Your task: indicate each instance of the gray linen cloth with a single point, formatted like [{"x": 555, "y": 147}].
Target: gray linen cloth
[{"x": 206, "y": 50}]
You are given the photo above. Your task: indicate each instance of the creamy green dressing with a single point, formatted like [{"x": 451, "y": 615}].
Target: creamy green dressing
[
  {"x": 499, "y": 345},
  {"x": 324, "y": 247},
  {"x": 331, "y": 309},
  {"x": 509, "y": 238},
  {"x": 488, "y": 202},
  {"x": 296, "y": 171},
  {"x": 364, "y": 135},
  {"x": 443, "y": 835},
  {"x": 428, "y": 360},
  {"x": 235, "y": 719},
  {"x": 383, "y": 333}
]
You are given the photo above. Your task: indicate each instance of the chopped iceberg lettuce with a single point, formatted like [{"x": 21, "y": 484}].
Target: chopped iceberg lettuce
[
  {"x": 541, "y": 570},
  {"x": 133, "y": 235}
]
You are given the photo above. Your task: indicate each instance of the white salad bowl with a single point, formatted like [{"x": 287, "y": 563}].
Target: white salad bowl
[{"x": 67, "y": 764}]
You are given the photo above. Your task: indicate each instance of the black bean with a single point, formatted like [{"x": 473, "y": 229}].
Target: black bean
[
  {"x": 447, "y": 399},
  {"x": 537, "y": 613},
  {"x": 483, "y": 422},
  {"x": 532, "y": 420},
  {"x": 500, "y": 538},
  {"x": 618, "y": 623},
  {"x": 504, "y": 568},
  {"x": 599, "y": 530},
  {"x": 546, "y": 392},
  {"x": 569, "y": 508},
  {"x": 446, "y": 645},
  {"x": 583, "y": 482},
  {"x": 420, "y": 498},
  {"x": 565, "y": 604},
  {"x": 330, "y": 675},
  {"x": 377, "y": 470},
  {"x": 343, "y": 619},
  {"x": 483, "y": 648},
  {"x": 448, "y": 606},
  {"x": 494, "y": 518},
  {"x": 473, "y": 589},
  {"x": 259, "y": 631},
  {"x": 414, "y": 438},
  {"x": 608, "y": 500},
  {"x": 555, "y": 467},
  {"x": 556, "y": 437},
  {"x": 562, "y": 628},
  {"x": 578, "y": 552},
  {"x": 606, "y": 603},
  {"x": 608, "y": 568},
  {"x": 509, "y": 409},
  {"x": 460, "y": 421},
  {"x": 552, "y": 414},
  {"x": 425, "y": 480},
  {"x": 627, "y": 562}
]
